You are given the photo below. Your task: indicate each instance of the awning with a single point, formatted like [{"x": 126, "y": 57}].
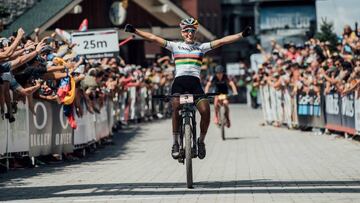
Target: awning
[
  {"x": 170, "y": 14},
  {"x": 43, "y": 14}
]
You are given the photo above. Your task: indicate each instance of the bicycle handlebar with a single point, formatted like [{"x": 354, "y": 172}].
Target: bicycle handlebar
[{"x": 160, "y": 96}]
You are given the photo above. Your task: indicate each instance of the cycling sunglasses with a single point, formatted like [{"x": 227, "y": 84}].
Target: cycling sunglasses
[{"x": 189, "y": 30}]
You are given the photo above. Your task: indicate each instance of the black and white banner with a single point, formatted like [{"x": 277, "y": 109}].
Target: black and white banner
[
  {"x": 62, "y": 133},
  {"x": 49, "y": 130},
  {"x": 340, "y": 112}
]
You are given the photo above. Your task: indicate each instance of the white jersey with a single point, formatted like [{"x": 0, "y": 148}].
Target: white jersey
[{"x": 188, "y": 57}]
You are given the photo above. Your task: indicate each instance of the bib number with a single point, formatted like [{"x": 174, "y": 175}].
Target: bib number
[{"x": 186, "y": 99}]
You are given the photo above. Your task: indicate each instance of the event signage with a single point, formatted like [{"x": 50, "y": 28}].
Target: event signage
[{"x": 96, "y": 44}]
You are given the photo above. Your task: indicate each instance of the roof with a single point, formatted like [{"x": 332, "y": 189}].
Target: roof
[{"x": 36, "y": 16}]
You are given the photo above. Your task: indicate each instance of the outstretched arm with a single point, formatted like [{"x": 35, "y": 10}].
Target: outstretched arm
[
  {"x": 231, "y": 38},
  {"x": 146, "y": 35},
  {"x": 207, "y": 87},
  {"x": 233, "y": 87}
]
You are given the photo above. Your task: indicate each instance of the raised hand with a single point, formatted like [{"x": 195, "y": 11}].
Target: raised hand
[
  {"x": 247, "y": 31},
  {"x": 129, "y": 28}
]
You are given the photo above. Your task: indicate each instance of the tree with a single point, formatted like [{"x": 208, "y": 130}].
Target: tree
[{"x": 327, "y": 34}]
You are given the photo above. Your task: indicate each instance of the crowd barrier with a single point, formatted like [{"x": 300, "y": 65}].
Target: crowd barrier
[
  {"x": 47, "y": 131},
  {"x": 325, "y": 111}
]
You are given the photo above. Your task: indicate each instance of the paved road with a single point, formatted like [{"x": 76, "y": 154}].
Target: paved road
[{"x": 255, "y": 164}]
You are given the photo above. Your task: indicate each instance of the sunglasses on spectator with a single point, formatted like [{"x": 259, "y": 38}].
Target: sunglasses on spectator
[{"x": 189, "y": 30}]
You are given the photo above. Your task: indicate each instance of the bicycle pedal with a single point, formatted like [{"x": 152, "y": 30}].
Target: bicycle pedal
[{"x": 181, "y": 160}]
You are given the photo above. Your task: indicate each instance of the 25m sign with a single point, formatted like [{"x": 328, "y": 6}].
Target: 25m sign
[{"x": 96, "y": 44}]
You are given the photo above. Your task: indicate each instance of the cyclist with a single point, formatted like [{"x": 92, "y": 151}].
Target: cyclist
[
  {"x": 188, "y": 56},
  {"x": 221, "y": 83}
]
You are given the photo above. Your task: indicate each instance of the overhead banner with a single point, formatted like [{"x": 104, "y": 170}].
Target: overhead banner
[{"x": 96, "y": 44}]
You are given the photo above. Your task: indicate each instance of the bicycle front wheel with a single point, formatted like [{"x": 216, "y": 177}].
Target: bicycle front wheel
[
  {"x": 188, "y": 156},
  {"x": 222, "y": 122}
]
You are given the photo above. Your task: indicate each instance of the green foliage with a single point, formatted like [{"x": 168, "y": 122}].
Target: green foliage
[{"x": 327, "y": 34}]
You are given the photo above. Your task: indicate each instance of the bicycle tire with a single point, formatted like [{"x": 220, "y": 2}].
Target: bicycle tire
[
  {"x": 188, "y": 156},
  {"x": 222, "y": 122}
]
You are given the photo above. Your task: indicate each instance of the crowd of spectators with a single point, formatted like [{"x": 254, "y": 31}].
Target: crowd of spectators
[
  {"x": 49, "y": 69},
  {"x": 314, "y": 67}
]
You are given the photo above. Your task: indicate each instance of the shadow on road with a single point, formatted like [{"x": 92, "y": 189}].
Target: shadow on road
[
  {"x": 154, "y": 189},
  {"x": 108, "y": 152}
]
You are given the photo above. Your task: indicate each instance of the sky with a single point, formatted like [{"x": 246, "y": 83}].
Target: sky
[{"x": 340, "y": 12}]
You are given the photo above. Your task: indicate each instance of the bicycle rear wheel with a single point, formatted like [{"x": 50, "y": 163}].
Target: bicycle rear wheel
[{"x": 188, "y": 156}]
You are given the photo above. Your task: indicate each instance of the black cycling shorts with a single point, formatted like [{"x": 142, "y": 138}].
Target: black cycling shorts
[{"x": 187, "y": 85}]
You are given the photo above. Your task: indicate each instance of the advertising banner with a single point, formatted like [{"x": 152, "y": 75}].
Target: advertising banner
[
  {"x": 62, "y": 133},
  {"x": 40, "y": 128},
  {"x": 3, "y": 136},
  {"x": 18, "y": 140},
  {"x": 85, "y": 131},
  {"x": 310, "y": 110},
  {"x": 333, "y": 111},
  {"x": 357, "y": 112},
  {"x": 348, "y": 113},
  {"x": 101, "y": 125}
]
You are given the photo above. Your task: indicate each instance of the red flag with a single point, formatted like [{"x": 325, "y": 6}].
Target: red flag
[{"x": 84, "y": 25}]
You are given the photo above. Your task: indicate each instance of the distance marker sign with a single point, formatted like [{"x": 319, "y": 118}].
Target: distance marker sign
[{"x": 96, "y": 44}]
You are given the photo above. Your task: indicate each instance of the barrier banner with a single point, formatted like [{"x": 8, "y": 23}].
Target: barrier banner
[
  {"x": 267, "y": 104},
  {"x": 333, "y": 108},
  {"x": 40, "y": 128},
  {"x": 3, "y": 136},
  {"x": 348, "y": 113},
  {"x": 287, "y": 108},
  {"x": 101, "y": 124},
  {"x": 110, "y": 114},
  {"x": 310, "y": 110},
  {"x": 85, "y": 131},
  {"x": 294, "y": 115},
  {"x": 357, "y": 112},
  {"x": 62, "y": 133},
  {"x": 18, "y": 139}
]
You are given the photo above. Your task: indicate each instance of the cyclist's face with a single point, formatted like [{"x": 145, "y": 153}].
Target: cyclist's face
[
  {"x": 188, "y": 35},
  {"x": 219, "y": 75}
]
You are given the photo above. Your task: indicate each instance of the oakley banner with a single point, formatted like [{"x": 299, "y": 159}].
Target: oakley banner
[
  {"x": 62, "y": 134},
  {"x": 40, "y": 128}
]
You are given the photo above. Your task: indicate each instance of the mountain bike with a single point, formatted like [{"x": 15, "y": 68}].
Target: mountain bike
[
  {"x": 222, "y": 117},
  {"x": 188, "y": 148}
]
